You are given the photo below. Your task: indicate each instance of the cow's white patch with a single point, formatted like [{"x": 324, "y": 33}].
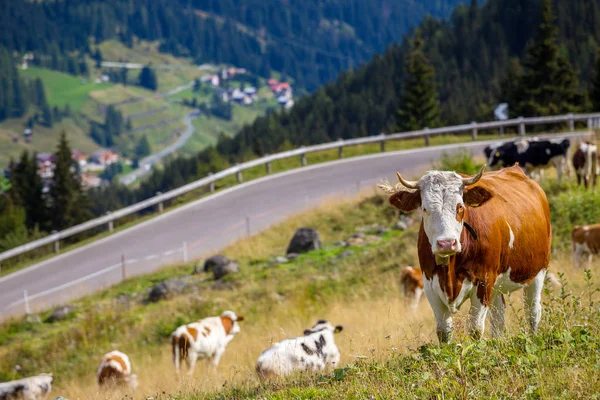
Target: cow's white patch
[
  {"x": 511, "y": 241},
  {"x": 533, "y": 299},
  {"x": 505, "y": 285},
  {"x": 522, "y": 146},
  {"x": 586, "y": 228},
  {"x": 548, "y": 151},
  {"x": 433, "y": 286}
]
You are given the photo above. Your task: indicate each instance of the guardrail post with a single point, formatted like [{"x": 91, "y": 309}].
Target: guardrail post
[
  {"x": 571, "y": 122},
  {"x": 341, "y": 148},
  {"x": 426, "y": 130},
  {"x": 123, "y": 268},
  {"x": 501, "y": 131},
  {"x": 185, "y": 252},
  {"x": 238, "y": 175},
  {"x": 589, "y": 123},
  {"x": 268, "y": 167},
  {"x": 211, "y": 186},
  {"x": 382, "y": 143},
  {"x": 247, "y": 226},
  {"x": 474, "y": 130},
  {"x": 26, "y": 300},
  {"x": 521, "y": 127},
  {"x": 56, "y": 243},
  {"x": 160, "y": 205},
  {"x": 111, "y": 225},
  {"x": 303, "y": 159}
]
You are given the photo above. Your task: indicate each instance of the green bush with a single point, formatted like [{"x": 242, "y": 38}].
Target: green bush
[
  {"x": 461, "y": 162},
  {"x": 570, "y": 208}
]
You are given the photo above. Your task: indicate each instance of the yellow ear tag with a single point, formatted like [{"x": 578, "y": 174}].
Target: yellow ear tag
[
  {"x": 474, "y": 205},
  {"x": 498, "y": 154}
]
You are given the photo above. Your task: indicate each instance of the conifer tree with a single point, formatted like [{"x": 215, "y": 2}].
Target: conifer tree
[
  {"x": 148, "y": 78},
  {"x": 420, "y": 104},
  {"x": 27, "y": 190},
  {"x": 143, "y": 148},
  {"x": 595, "y": 89},
  {"x": 549, "y": 84}
]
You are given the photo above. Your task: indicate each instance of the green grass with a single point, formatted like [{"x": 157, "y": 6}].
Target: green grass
[{"x": 63, "y": 89}]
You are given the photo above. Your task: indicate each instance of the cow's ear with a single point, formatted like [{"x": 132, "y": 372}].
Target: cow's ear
[
  {"x": 338, "y": 329},
  {"x": 406, "y": 201},
  {"x": 476, "y": 196}
]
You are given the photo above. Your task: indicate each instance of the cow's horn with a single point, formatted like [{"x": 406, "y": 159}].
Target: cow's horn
[
  {"x": 474, "y": 179},
  {"x": 407, "y": 184}
]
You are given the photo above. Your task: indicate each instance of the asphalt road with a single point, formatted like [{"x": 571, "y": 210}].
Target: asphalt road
[{"x": 206, "y": 226}]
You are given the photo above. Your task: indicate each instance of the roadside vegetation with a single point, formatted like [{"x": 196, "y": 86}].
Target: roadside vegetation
[{"x": 387, "y": 351}]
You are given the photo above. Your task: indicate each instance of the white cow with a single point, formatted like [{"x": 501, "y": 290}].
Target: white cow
[
  {"x": 314, "y": 351},
  {"x": 206, "y": 338},
  {"x": 115, "y": 369},
  {"x": 32, "y": 388}
]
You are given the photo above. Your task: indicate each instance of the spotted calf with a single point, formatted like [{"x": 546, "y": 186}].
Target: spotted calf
[
  {"x": 411, "y": 280},
  {"x": 585, "y": 163},
  {"x": 314, "y": 351},
  {"x": 115, "y": 370},
  {"x": 206, "y": 339},
  {"x": 585, "y": 240},
  {"x": 32, "y": 388}
]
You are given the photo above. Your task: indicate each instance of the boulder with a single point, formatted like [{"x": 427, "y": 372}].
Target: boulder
[
  {"x": 166, "y": 289},
  {"x": 304, "y": 240},
  {"x": 212, "y": 262},
  {"x": 400, "y": 226},
  {"x": 61, "y": 313},
  {"x": 281, "y": 260},
  {"x": 220, "y": 270}
]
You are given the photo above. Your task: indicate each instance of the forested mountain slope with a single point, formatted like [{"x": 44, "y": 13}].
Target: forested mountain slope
[{"x": 309, "y": 40}]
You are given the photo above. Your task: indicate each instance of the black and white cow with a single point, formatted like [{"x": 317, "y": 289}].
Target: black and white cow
[
  {"x": 531, "y": 154},
  {"x": 315, "y": 351},
  {"x": 32, "y": 388}
]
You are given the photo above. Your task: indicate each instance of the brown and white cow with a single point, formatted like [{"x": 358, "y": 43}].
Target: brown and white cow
[
  {"x": 206, "y": 338},
  {"x": 480, "y": 238},
  {"x": 585, "y": 240},
  {"x": 411, "y": 280},
  {"x": 585, "y": 163},
  {"x": 115, "y": 370}
]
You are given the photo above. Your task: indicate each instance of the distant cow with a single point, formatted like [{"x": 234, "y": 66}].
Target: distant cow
[
  {"x": 480, "y": 238},
  {"x": 315, "y": 351},
  {"x": 585, "y": 163},
  {"x": 411, "y": 280},
  {"x": 531, "y": 154},
  {"x": 206, "y": 338},
  {"x": 115, "y": 370},
  {"x": 32, "y": 388},
  {"x": 585, "y": 240}
]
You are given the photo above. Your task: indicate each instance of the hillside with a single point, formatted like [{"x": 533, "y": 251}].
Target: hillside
[
  {"x": 309, "y": 41},
  {"x": 386, "y": 350}
]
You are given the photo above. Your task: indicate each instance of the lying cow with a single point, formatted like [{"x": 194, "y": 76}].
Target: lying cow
[
  {"x": 115, "y": 370},
  {"x": 206, "y": 338},
  {"x": 480, "y": 238},
  {"x": 314, "y": 351},
  {"x": 585, "y": 240},
  {"x": 585, "y": 163},
  {"x": 32, "y": 388},
  {"x": 411, "y": 280},
  {"x": 531, "y": 155}
]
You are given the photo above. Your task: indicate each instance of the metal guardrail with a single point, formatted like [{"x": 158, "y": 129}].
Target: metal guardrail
[{"x": 159, "y": 199}]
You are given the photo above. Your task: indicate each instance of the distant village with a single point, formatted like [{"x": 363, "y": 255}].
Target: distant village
[{"x": 281, "y": 90}]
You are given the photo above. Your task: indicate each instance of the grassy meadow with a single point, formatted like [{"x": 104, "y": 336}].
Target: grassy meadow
[{"x": 387, "y": 350}]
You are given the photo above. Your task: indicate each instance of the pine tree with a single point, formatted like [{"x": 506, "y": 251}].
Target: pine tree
[
  {"x": 65, "y": 190},
  {"x": 549, "y": 84},
  {"x": 113, "y": 124},
  {"x": 595, "y": 89},
  {"x": 147, "y": 78},
  {"x": 420, "y": 104},
  {"x": 143, "y": 148},
  {"x": 27, "y": 190}
]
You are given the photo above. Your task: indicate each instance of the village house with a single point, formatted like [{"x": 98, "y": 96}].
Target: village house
[
  {"x": 104, "y": 157},
  {"x": 80, "y": 158},
  {"x": 90, "y": 181},
  {"x": 46, "y": 165}
]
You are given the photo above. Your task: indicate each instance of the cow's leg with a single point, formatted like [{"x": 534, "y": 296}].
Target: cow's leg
[
  {"x": 191, "y": 362},
  {"x": 533, "y": 300},
  {"x": 497, "y": 315},
  {"x": 477, "y": 314},
  {"x": 217, "y": 357},
  {"x": 443, "y": 316}
]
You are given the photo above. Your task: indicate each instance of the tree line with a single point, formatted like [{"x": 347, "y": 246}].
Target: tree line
[{"x": 311, "y": 41}]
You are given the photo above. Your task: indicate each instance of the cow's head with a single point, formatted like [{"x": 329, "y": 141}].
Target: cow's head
[
  {"x": 132, "y": 381},
  {"x": 443, "y": 197},
  {"x": 231, "y": 319},
  {"x": 323, "y": 325}
]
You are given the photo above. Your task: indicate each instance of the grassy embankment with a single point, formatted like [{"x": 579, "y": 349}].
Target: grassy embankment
[{"x": 386, "y": 350}]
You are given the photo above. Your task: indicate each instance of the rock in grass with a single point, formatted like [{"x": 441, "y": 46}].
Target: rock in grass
[
  {"x": 400, "y": 226},
  {"x": 212, "y": 262},
  {"x": 281, "y": 260},
  {"x": 166, "y": 289},
  {"x": 61, "y": 313},
  {"x": 221, "y": 270},
  {"x": 304, "y": 240}
]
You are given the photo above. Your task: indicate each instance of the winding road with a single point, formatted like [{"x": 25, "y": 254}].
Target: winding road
[{"x": 207, "y": 225}]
